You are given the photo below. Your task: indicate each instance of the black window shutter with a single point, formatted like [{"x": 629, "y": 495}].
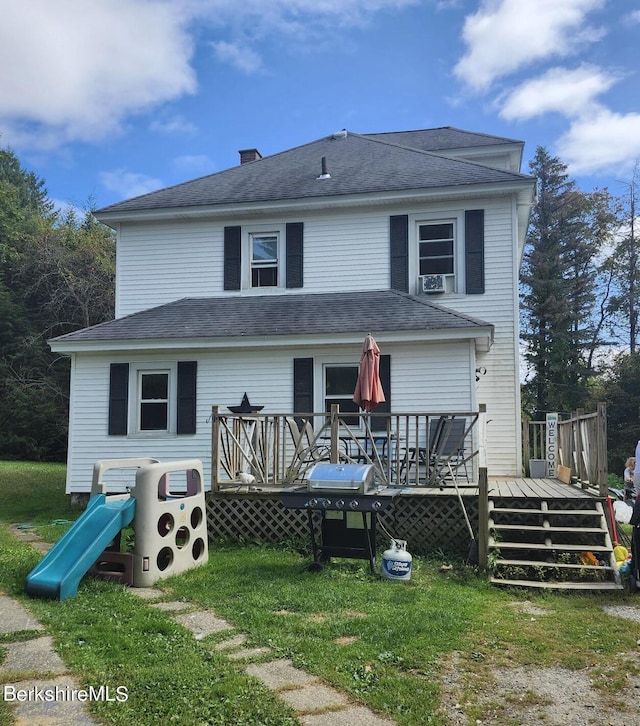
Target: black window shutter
[
  {"x": 294, "y": 254},
  {"x": 399, "y": 252},
  {"x": 380, "y": 423},
  {"x": 232, "y": 257},
  {"x": 302, "y": 385},
  {"x": 187, "y": 377},
  {"x": 118, "y": 398},
  {"x": 474, "y": 251}
]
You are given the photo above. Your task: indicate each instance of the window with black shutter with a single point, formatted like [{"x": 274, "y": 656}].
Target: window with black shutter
[
  {"x": 118, "y": 399},
  {"x": 474, "y": 251},
  {"x": 162, "y": 399},
  {"x": 399, "y": 252}
]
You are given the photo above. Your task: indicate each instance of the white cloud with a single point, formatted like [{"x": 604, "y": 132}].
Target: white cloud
[
  {"x": 561, "y": 90},
  {"x": 76, "y": 70},
  {"x": 73, "y": 70},
  {"x": 238, "y": 55},
  {"x": 126, "y": 184},
  {"x": 601, "y": 141},
  {"x": 505, "y": 35}
]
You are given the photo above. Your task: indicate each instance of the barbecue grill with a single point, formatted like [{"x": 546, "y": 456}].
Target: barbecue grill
[
  {"x": 348, "y": 502},
  {"x": 341, "y": 477}
]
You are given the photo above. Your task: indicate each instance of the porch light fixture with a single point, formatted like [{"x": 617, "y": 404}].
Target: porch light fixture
[{"x": 481, "y": 371}]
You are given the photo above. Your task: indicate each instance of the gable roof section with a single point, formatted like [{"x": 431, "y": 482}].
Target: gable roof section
[
  {"x": 356, "y": 164},
  {"x": 276, "y": 318}
]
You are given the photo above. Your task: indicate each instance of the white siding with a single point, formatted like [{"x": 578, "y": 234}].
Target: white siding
[
  {"x": 499, "y": 388},
  {"x": 424, "y": 378},
  {"x": 343, "y": 251}
]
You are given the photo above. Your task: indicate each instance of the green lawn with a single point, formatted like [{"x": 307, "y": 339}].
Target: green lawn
[{"x": 385, "y": 643}]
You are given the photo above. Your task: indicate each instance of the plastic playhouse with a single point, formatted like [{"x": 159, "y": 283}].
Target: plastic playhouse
[{"x": 165, "y": 506}]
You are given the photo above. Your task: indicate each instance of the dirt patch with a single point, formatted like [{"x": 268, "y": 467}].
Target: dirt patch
[
  {"x": 537, "y": 697},
  {"x": 530, "y": 696},
  {"x": 346, "y": 640},
  {"x": 528, "y": 608}
]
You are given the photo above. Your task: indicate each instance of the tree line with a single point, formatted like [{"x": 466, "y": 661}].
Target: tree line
[
  {"x": 579, "y": 304},
  {"x": 578, "y": 297},
  {"x": 57, "y": 274}
]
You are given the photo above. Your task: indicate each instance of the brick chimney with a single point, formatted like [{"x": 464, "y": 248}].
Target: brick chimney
[{"x": 247, "y": 155}]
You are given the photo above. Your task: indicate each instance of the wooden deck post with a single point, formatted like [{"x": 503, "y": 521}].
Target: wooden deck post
[
  {"x": 601, "y": 437},
  {"x": 526, "y": 443},
  {"x": 583, "y": 474},
  {"x": 215, "y": 448},
  {"x": 483, "y": 518}
]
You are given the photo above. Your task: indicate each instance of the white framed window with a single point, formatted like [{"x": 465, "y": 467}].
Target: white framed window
[
  {"x": 153, "y": 400},
  {"x": 153, "y": 409},
  {"x": 339, "y": 383},
  {"x": 264, "y": 259},
  {"x": 436, "y": 248}
]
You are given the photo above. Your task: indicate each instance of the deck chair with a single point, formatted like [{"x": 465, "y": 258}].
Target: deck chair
[{"x": 446, "y": 449}]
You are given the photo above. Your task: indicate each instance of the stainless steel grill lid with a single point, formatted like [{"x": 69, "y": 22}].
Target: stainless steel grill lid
[{"x": 341, "y": 477}]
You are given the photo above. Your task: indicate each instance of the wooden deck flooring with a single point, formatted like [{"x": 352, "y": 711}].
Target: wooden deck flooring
[
  {"x": 511, "y": 487},
  {"x": 499, "y": 486},
  {"x": 536, "y": 489}
]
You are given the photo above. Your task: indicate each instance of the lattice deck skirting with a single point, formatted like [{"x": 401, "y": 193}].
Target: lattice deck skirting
[{"x": 427, "y": 523}]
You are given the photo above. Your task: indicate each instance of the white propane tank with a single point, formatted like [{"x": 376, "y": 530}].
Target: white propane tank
[{"x": 396, "y": 561}]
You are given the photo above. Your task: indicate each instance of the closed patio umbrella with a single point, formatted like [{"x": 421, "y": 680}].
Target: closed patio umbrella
[{"x": 368, "y": 392}]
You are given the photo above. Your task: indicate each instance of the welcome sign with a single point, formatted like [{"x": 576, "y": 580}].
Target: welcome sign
[{"x": 552, "y": 445}]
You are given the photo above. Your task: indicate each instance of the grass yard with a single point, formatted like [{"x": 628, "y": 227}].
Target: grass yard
[{"x": 384, "y": 643}]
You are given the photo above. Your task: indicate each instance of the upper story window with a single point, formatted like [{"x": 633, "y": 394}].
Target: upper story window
[
  {"x": 436, "y": 244},
  {"x": 264, "y": 259}
]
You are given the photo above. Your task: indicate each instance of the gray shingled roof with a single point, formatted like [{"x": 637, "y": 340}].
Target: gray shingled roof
[
  {"x": 442, "y": 139},
  {"x": 281, "y": 315},
  {"x": 357, "y": 165}
]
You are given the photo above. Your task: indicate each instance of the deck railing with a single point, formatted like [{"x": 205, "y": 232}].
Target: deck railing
[
  {"x": 275, "y": 450},
  {"x": 582, "y": 446}
]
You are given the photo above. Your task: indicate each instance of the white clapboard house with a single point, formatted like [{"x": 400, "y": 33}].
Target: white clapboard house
[{"x": 265, "y": 278}]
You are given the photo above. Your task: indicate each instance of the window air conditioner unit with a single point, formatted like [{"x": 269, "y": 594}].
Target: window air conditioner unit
[{"x": 432, "y": 283}]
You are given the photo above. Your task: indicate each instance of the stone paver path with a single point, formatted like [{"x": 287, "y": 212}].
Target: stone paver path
[
  {"x": 32, "y": 670},
  {"x": 314, "y": 703},
  {"x": 33, "y": 666}
]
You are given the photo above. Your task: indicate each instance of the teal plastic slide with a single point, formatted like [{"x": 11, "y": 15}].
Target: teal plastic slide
[{"x": 58, "y": 574}]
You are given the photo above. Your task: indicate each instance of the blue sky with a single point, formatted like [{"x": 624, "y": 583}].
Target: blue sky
[{"x": 107, "y": 99}]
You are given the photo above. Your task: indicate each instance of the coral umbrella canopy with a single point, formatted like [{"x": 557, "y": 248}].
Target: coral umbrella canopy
[{"x": 369, "y": 393}]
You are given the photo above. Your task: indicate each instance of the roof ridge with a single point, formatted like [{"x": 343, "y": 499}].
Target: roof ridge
[{"x": 443, "y": 156}]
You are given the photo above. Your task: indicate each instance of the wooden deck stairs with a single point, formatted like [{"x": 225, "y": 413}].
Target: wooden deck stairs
[{"x": 550, "y": 543}]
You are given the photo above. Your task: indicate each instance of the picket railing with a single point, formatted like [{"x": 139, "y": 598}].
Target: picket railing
[
  {"x": 582, "y": 446},
  {"x": 275, "y": 450}
]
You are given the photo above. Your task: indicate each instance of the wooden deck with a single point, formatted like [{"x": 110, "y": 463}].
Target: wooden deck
[{"x": 536, "y": 489}]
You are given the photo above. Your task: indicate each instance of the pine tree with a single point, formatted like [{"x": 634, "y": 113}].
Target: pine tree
[{"x": 560, "y": 287}]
